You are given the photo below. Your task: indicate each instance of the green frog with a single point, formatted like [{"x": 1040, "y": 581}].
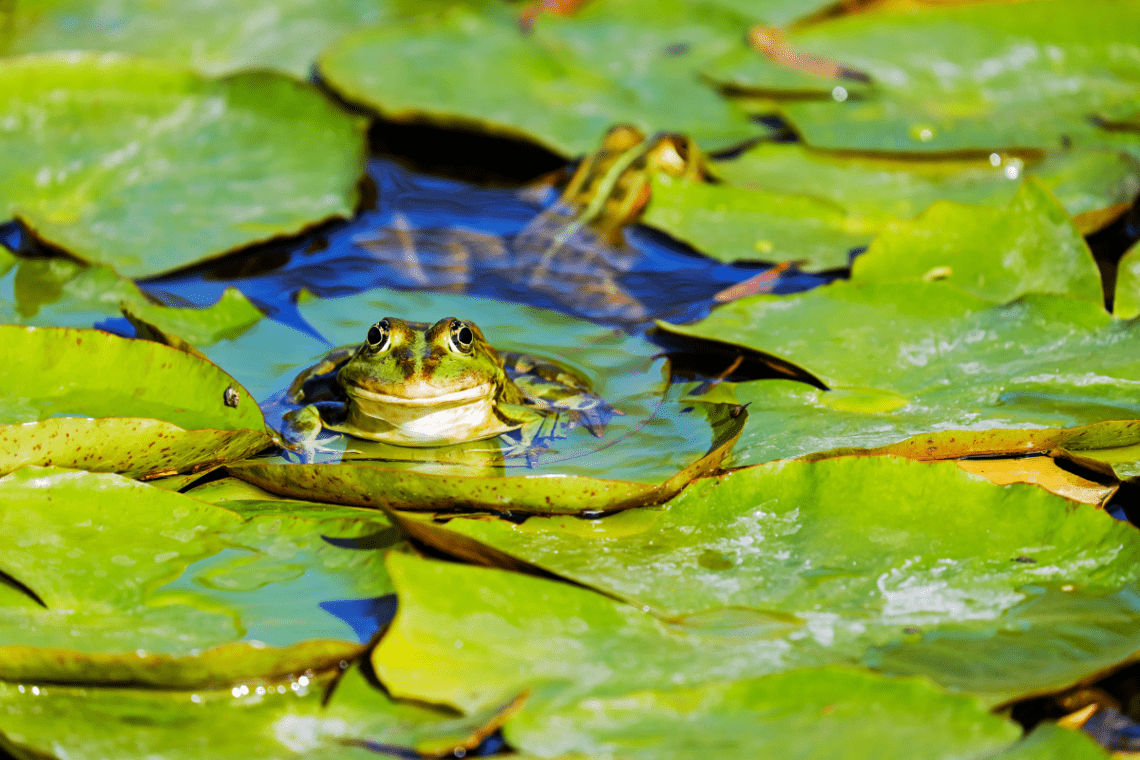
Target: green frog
[{"x": 426, "y": 385}]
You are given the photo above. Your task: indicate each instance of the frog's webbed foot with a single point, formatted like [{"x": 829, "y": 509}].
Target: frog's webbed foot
[
  {"x": 592, "y": 413},
  {"x": 301, "y": 435}
]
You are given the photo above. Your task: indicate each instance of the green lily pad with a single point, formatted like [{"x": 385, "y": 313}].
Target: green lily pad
[
  {"x": 952, "y": 78},
  {"x": 881, "y": 189},
  {"x": 853, "y": 560},
  {"x": 144, "y": 586},
  {"x": 925, "y": 363},
  {"x": 1126, "y": 304},
  {"x": 100, "y": 402},
  {"x": 817, "y": 713},
  {"x": 1048, "y": 741},
  {"x": 59, "y": 292},
  {"x": 386, "y": 488},
  {"x": 263, "y": 721},
  {"x": 169, "y": 168},
  {"x": 562, "y": 85},
  {"x": 1030, "y": 246},
  {"x": 734, "y": 224},
  {"x": 280, "y": 34}
]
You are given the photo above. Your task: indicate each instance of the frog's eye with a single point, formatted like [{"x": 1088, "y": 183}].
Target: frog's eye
[
  {"x": 378, "y": 336},
  {"x": 461, "y": 337}
]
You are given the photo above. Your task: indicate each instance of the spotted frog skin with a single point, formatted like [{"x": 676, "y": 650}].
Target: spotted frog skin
[{"x": 425, "y": 385}]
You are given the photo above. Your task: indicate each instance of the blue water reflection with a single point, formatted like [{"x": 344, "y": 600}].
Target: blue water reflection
[{"x": 436, "y": 233}]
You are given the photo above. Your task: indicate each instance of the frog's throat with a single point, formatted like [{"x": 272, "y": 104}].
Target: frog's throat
[{"x": 466, "y": 415}]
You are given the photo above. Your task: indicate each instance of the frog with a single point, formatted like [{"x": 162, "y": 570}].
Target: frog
[{"x": 419, "y": 384}]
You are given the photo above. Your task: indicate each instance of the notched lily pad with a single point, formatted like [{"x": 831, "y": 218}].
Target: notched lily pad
[
  {"x": 562, "y": 85},
  {"x": 167, "y": 168},
  {"x": 873, "y": 560},
  {"x": 144, "y": 586},
  {"x": 1094, "y": 185},
  {"x": 962, "y": 376},
  {"x": 1030, "y": 246},
  {"x": 90, "y": 400},
  {"x": 394, "y": 489}
]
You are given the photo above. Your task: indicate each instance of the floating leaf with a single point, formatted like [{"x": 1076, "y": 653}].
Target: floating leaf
[
  {"x": 281, "y": 34},
  {"x": 144, "y": 409},
  {"x": 874, "y": 560},
  {"x": 377, "y": 486},
  {"x": 1030, "y": 246},
  {"x": 978, "y": 76},
  {"x": 1126, "y": 304},
  {"x": 880, "y": 188},
  {"x": 734, "y": 224},
  {"x": 562, "y": 86},
  {"x": 265, "y": 721},
  {"x": 169, "y": 168},
  {"x": 926, "y": 364},
  {"x": 58, "y": 292},
  {"x": 145, "y": 586},
  {"x": 809, "y": 714}
]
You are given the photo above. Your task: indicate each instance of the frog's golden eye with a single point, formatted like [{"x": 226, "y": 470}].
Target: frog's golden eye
[
  {"x": 461, "y": 337},
  {"x": 378, "y": 336}
]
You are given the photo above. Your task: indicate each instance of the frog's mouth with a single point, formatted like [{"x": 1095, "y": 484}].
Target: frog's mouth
[
  {"x": 463, "y": 415},
  {"x": 371, "y": 398}
]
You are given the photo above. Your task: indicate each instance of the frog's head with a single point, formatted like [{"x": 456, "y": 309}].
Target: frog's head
[
  {"x": 414, "y": 363},
  {"x": 431, "y": 383}
]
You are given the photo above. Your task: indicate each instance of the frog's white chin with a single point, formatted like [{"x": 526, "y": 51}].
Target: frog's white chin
[{"x": 465, "y": 415}]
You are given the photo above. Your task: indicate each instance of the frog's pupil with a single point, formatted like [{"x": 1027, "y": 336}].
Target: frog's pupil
[
  {"x": 376, "y": 335},
  {"x": 464, "y": 335}
]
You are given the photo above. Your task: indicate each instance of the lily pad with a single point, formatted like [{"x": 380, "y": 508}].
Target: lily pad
[
  {"x": 144, "y": 586},
  {"x": 865, "y": 560},
  {"x": 734, "y": 224},
  {"x": 58, "y": 292},
  {"x": 87, "y": 399},
  {"x": 390, "y": 489},
  {"x": 1126, "y": 304},
  {"x": 926, "y": 364},
  {"x": 262, "y": 721},
  {"x": 1030, "y": 246},
  {"x": 563, "y": 85},
  {"x": 815, "y": 713},
  {"x": 954, "y": 78},
  {"x": 879, "y": 188},
  {"x": 280, "y": 34},
  {"x": 169, "y": 168}
]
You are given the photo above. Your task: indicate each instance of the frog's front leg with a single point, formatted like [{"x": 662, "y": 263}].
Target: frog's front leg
[
  {"x": 296, "y": 392},
  {"x": 528, "y": 439},
  {"x": 302, "y": 427}
]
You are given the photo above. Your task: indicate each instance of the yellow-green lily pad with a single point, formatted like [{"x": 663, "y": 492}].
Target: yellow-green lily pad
[
  {"x": 215, "y": 39},
  {"x": 58, "y": 292},
  {"x": 978, "y": 76},
  {"x": 257, "y": 720},
  {"x": 144, "y": 586},
  {"x": 370, "y": 485},
  {"x": 148, "y": 167},
  {"x": 563, "y": 85},
  {"x": 882, "y": 188},
  {"x": 1029, "y": 246},
  {"x": 978, "y": 378},
  {"x": 91, "y": 400},
  {"x": 910, "y": 567},
  {"x": 1126, "y": 304}
]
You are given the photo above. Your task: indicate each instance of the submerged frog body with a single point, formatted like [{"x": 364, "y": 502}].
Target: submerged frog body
[{"x": 419, "y": 384}]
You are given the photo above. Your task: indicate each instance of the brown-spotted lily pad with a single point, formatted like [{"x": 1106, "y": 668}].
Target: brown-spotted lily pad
[
  {"x": 91, "y": 400},
  {"x": 382, "y": 487}
]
